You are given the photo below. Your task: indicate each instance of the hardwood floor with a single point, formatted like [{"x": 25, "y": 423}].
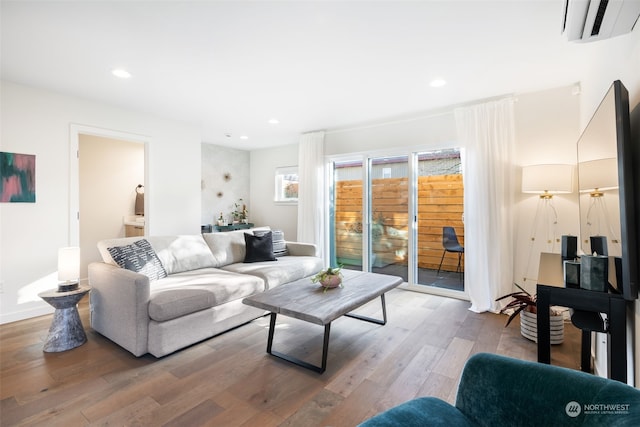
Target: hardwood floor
[{"x": 230, "y": 380}]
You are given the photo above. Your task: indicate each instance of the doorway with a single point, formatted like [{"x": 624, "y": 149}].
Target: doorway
[{"x": 109, "y": 167}]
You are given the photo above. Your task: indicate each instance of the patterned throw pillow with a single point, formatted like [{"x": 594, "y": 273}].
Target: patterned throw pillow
[
  {"x": 279, "y": 245},
  {"x": 259, "y": 248},
  {"x": 139, "y": 257}
]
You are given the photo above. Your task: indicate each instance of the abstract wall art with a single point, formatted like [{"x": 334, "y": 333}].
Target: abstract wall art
[{"x": 17, "y": 178}]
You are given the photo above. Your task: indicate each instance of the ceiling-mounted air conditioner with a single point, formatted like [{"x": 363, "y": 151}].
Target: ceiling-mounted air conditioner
[{"x": 591, "y": 20}]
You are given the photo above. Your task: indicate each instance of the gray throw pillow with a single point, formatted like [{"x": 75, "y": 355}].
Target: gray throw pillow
[{"x": 139, "y": 257}]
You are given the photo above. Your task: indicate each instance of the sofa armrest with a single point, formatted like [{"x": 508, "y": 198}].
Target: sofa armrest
[
  {"x": 498, "y": 390},
  {"x": 119, "y": 305},
  {"x": 301, "y": 249}
]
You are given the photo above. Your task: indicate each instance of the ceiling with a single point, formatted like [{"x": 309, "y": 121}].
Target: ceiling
[{"x": 230, "y": 67}]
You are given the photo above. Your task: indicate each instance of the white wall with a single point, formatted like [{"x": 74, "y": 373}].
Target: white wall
[
  {"x": 264, "y": 211},
  {"x": 216, "y": 162},
  {"x": 547, "y": 130},
  {"x": 38, "y": 122},
  {"x": 614, "y": 59},
  {"x": 429, "y": 130}
]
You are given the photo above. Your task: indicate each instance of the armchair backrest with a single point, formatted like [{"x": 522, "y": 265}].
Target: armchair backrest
[{"x": 497, "y": 390}]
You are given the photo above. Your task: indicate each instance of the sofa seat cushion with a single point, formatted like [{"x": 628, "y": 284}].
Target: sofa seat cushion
[
  {"x": 286, "y": 269},
  {"x": 190, "y": 291}
]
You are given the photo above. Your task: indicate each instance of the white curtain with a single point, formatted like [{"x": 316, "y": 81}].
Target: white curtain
[
  {"x": 311, "y": 189},
  {"x": 486, "y": 131}
]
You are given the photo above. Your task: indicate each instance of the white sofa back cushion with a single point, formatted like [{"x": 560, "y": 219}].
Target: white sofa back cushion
[
  {"x": 104, "y": 245},
  {"x": 229, "y": 247},
  {"x": 176, "y": 253},
  {"x": 182, "y": 253}
]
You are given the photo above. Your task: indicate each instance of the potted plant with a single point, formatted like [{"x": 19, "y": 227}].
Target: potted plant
[
  {"x": 524, "y": 303},
  {"x": 330, "y": 277},
  {"x": 240, "y": 214}
]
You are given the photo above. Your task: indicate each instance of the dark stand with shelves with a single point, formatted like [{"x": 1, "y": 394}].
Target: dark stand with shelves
[
  {"x": 613, "y": 305},
  {"x": 232, "y": 227}
]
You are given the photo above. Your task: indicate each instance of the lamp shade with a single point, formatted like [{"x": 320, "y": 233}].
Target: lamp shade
[
  {"x": 552, "y": 179},
  {"x": 68, "y": 264},
  {"x": 600, "y": 174}
]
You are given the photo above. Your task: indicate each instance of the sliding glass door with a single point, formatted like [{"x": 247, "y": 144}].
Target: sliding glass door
[
  {"x": 346, "y": 208},
  {"x": 389, "y": 213},
  {"x": 440, "y": 226}
]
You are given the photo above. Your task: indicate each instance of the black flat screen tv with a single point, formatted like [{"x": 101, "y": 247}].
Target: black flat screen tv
[{"x": 608, "y": 188}]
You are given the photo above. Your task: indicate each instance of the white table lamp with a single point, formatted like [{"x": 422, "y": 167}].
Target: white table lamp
[
  {"x": 547, "y": 180},
  {"x": 597, "y": 176},
  {"x": 68, "y": 268}
]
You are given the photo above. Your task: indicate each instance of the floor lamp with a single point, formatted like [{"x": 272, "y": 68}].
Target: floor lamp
[
  {"x": 597, "y": 177},
  {"x": 545, "y": 180}
]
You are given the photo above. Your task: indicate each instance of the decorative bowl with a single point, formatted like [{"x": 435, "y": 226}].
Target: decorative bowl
[{"x": 331, "y": 282}]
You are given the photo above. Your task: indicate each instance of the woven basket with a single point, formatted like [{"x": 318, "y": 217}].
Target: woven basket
[{"x": 529, "y": 327}]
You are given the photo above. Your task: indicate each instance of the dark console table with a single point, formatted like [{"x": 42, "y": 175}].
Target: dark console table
[
  {"x": 613, "y": 305},
  {"x": 232, "y": 227}
]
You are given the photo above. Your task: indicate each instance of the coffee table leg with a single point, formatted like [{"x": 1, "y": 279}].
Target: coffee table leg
[
  {"x": 272, "y": 328},
  {"x": 295, "y": 360},
  {"x": 370, "y": 319}
]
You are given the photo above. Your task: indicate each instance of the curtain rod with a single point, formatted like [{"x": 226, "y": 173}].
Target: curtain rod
[{"x": 444, "y": 111}]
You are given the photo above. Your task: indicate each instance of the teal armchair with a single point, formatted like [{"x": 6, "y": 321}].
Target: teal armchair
[{"x": 497, "y": 390}]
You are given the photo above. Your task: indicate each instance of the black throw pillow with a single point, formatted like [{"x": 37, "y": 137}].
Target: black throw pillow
[{"x": 259, "y": 248}]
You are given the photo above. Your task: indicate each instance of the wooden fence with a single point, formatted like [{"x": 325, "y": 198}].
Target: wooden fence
[{"x": 440, "y": 203}]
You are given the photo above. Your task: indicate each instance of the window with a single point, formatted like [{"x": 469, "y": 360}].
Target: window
[{"x": 286, "y": 184}]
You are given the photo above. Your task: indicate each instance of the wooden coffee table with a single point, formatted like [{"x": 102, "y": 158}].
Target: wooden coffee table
[{"x": 310, "y": 302}]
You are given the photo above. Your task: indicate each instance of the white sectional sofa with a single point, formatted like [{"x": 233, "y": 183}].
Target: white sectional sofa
[{"x": 179, "y": 290}]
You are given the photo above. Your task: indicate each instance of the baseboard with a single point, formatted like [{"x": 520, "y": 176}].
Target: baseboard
[{"x": 25, "y": 314}]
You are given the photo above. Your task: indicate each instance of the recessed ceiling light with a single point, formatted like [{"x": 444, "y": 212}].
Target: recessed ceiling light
[
  {"x": 438, "y": 83},
  {"x": 244, "y": 137},
  {"x": 274, "y": 121},
  {"x": 123, "y": 74}
]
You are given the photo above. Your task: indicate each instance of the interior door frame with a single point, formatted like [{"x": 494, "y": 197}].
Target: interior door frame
[{"x": 75, "y": 130}]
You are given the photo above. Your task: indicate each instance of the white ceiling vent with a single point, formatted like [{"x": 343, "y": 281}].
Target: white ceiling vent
[{"x": 591, "y": 20}]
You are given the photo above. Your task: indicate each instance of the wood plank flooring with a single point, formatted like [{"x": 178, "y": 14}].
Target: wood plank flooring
[{"x": 230, "y": 380}]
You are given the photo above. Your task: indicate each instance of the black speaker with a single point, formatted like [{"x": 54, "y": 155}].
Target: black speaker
[
  {"x": 599, "y": 245},
  {"x": 569, "y": 248}
]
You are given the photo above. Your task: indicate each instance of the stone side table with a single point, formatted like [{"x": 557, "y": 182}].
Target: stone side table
[{"x": 66, "y": 331}]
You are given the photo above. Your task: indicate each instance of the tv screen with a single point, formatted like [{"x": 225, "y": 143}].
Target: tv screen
[{"x": 606, "y": 156}]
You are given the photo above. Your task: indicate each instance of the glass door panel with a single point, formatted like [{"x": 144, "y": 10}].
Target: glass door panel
[
  {"x": 440, "y": 205},
  {"x": 388, "y": 215},
  {"x": 346, "y": 215}
]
